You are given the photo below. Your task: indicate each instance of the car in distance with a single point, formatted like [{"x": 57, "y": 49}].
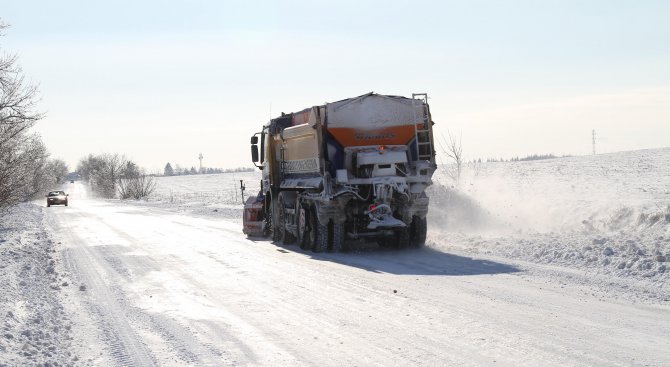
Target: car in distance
[{"x": 56, "y": 198}]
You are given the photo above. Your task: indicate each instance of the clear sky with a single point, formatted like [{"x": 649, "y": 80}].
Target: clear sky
[{"x": 162, "y": 81}]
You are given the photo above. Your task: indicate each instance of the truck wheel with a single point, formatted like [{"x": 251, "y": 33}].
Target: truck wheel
[
  {"x": 418, "y": 231},
  {"x": 319, "y": 232},
  {"x": 337, "y": 237},
  {"x": 303, "y": 228},
  {"x": 311, "y": 223},
  {"x": 274, "y": 221},
  {"x": 268, "y": 229},
  {"x": 286, "y": 237},
  {"x": 321, "y": 238},
  {"x": 402, "y": 238}
]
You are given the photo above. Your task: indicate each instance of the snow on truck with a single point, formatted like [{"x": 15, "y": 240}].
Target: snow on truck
[{"x": 353, "y": 169}]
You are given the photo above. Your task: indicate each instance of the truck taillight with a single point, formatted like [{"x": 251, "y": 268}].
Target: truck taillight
[{"x": 252, "y": 214}]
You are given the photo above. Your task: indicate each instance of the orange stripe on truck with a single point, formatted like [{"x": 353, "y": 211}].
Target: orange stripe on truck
[{"x": 355, "y": 137}]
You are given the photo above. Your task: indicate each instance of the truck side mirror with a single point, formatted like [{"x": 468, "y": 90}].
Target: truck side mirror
[
  {"x": 254, "y": 153},
  {"x": 254, "y": 140}
]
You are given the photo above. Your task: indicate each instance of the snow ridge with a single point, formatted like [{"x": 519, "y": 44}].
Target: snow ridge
[{"x": 36, "y": 329}]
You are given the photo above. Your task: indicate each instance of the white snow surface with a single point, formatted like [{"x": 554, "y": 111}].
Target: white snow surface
[
  {"x": 603, "y": 215},
  {"x": 522, "y": 269},
  {"x": 35, "y": 325},
  {"x": 212, "y": 195}
]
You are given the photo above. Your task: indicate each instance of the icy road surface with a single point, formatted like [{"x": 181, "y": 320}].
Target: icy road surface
[{"x": 153, "y": 287}]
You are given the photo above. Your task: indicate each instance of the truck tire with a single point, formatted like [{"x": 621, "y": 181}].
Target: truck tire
[
  {"x": 311, "y": 222},
  {"x": 274, "y": 219},
  {"x": 402, "y": 238},
  {"x": 303, "y": 228},
  {"x": 383, "y": 242},
  {"x": 268, "y": 230},
  {"x": 286, "y": 237},
  {"x": 418, "y": 231},
  {"x": 337, "y": 237},
  {"x": 319, "y": 231},
  {"x": 321, "y": 238}
]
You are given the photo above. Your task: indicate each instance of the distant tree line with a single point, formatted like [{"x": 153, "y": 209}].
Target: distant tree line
[
  {"x": 532, "y": 157},
  {"x": 109, "y": 175},
  {"x": 26, "y": 171},
  {"x": 179, "y": 171}
]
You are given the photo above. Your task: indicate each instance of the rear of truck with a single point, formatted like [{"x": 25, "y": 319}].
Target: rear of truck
[{"x": 347, "y": 170}]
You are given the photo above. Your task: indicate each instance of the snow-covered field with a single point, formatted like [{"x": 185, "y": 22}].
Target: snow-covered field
[
  {"x": 555, "y": 262},
  {"x": 215, "y": 195},
  {"x": 604, "y": 215}
]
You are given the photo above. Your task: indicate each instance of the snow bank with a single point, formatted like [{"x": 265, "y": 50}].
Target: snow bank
[
  {"x": 605, "y": 214},
  {"x": 36, "y": 329}
]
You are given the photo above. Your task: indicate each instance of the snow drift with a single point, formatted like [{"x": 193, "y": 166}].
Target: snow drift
[{"x": 609, "y": 213}]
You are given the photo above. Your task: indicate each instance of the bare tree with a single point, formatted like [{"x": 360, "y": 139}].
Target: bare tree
[
  {"x": 88, "y": 167},
  {"x": 23, "y": 156},
  {"x": 22, "y": 170},
  {"x": 112, "y": 174},
  {"x": 136, "y": 187},
  {"x": 454, "y": 150},
  {"x": 57, "y": 169},
  {"x": 130, "y": 170},
  {"x": 102, "y": 172},
  {"x": 134, "y": 184},
  {"x": 17, "y": 99}
]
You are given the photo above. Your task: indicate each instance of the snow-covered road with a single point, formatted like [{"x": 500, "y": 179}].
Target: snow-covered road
[{"x": 154, "y": 287}]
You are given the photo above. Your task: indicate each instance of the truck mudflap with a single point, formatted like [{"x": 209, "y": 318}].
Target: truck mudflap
[
  {"x": 253, "y": 223},
  {"x": 381, "y": 217},
  {"x": 386, "y": 222}
]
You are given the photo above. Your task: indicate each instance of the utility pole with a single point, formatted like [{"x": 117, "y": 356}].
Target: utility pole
[
  {"x": 200, "y": 158},
  {"x": 593, "y": 140}
]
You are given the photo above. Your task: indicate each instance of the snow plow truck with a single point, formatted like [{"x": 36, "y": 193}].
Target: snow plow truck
[{"x": 347, "y": 170}]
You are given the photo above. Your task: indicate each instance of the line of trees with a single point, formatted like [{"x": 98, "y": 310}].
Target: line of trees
[
  {"x": 25, "y": 168},
  {"x": 111, "y": 174},
  {"x": 532, "y": 157},
  {"x": 179, "y": 171}
]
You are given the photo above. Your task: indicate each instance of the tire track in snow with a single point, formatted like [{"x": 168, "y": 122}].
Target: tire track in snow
[
  {"x": 102, "y": 298},
  {"x": 268, "y": 307},
  {"x": 124, "y": 345},
  {"x": 105, "y": 269}
]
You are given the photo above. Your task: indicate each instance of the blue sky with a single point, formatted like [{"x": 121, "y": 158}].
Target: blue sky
[{"x": 164, "y": 81}]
